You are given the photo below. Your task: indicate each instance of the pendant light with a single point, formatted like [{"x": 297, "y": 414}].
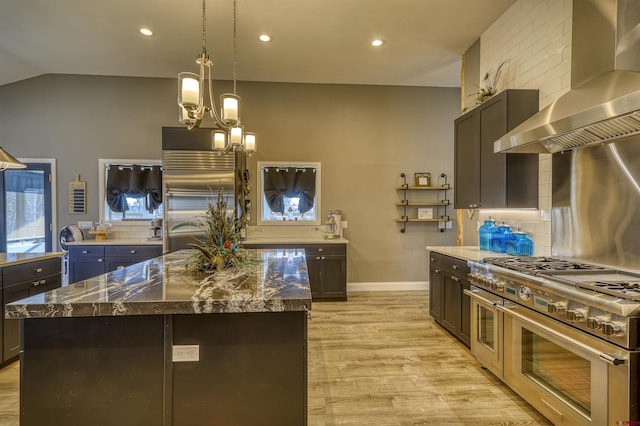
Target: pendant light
[{"x": 192, "y": 102}]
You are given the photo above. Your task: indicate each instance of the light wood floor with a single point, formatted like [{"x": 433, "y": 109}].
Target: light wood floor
[{"x": 377, "y": 360}]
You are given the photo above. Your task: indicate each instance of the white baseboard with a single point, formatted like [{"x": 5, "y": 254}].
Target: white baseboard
[{"x": 388, "y": 286}]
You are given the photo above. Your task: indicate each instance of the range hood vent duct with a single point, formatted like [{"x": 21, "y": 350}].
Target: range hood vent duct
[{"x": 603, "y": 104}]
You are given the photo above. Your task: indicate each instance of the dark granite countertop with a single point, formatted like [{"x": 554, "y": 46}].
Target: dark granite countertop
[{"x": 277, "y": 282}]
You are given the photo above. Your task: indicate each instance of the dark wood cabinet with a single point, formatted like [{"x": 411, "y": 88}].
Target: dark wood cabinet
[
  {"x": 448, "y": 305},
  {"x": 19, "y": 282},
  {"x": 326, "y": 265},
  {"x": 86, "y": 261},
  {"x": 484, "y": 179}
]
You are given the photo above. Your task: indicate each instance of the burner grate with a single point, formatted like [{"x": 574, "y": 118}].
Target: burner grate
[{"x": 536, "y": 264}]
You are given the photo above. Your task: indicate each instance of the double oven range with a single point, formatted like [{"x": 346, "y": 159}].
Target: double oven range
[{"x": 562, "y": 334}]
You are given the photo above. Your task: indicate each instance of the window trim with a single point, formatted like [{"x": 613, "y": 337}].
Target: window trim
[
  {"x": 260, "y": 192},
  {"x": 102, "y": 166}
]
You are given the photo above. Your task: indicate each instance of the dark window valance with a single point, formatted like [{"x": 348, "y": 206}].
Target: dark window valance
[
  {"x": 289, "y": 182},
  {"x": 133, "y": 181}
]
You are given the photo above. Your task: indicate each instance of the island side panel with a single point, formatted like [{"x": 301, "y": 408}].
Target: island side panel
[
  {"x": 92, "y": 370},
  {"x": 252, "y": 369}
]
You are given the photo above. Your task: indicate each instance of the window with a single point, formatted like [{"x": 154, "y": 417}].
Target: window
[
  {"x": 132, "y": 190},
  {"x": 289, "y": 193},
  {"x": 26, "y": 207}
]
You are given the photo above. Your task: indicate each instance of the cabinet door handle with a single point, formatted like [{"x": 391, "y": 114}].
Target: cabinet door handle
[
  {"x": 320, "y": 249},
  {"x": 437, "y": 271},
  {"x": 454, "y": 278},
  {"x": 85, "y": 251},
  {"x": 455, "y": 267},
  {"x": 133, "y": 251},
  {"x": 322, "y": 258},
  {"x": 317, "y": 257},
  {"x": 37, "y": 283},
  {"x": 38, "y": 270},
  {"x": 99, "y": 260}
]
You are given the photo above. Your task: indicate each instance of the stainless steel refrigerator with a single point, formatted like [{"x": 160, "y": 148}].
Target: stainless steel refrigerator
[{"x": 192, "y": 178}]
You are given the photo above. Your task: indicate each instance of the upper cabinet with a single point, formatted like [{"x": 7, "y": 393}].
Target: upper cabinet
[{"x": 487, "y": 180}]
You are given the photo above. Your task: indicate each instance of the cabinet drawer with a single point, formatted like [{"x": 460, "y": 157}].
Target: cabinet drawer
[
  {"x": 32, "y": 271},
  {"x": 24, "y": 289},
  {"x": 325, "y": 249},
  {"x": 144, "y": 251},
  {"x": 86, "y": 251},
  {"x": 45, "y": 284},
  {"x": 435, "y": 259},
  {"x": 456, "y": 266}
]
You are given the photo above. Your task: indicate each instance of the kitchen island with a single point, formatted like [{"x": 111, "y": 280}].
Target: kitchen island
[{"x": 151, "y": 344}]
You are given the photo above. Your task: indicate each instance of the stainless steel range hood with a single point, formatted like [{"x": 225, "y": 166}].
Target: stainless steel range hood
[{"x": 604, "y": 101}]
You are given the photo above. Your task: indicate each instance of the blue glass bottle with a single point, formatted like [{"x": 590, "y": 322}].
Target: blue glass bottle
[
  {"x": 485, "y": 232},
  {"x": 512, "y": 243},
  {"x": 524, "y": 245},
  {"x": 499, "y": 238}
]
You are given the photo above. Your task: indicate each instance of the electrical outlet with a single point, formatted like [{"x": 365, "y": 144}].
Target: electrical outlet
[
  {"x": 449, "y": 225},
  {"x": 85, "y": 224},
  {"x": 344, "y": 224},
  {"x": 186, "y": 353}
]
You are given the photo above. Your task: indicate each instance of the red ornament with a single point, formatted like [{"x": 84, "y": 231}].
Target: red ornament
[{"x": 227, "y": 244}]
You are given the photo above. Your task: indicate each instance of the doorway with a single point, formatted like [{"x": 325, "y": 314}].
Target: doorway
[{"x": 26, "y": 218}]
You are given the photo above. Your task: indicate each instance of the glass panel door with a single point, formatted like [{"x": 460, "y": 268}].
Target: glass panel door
[
  {"x": 486, "y": 327},
  {"x": 26, "y": 225},
  {"x": 561, "y": 371}
]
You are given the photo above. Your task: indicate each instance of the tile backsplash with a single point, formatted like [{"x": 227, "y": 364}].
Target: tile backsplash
[
  {"x": 533, "y": 38},
  {"x": 279, "y": 231},
  {"x": 130, "y": 230}
]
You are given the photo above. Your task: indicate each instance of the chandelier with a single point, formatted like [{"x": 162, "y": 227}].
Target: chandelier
[{"x": 229, "y": 134}]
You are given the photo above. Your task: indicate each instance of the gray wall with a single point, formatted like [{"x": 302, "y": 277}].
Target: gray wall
[{"x": 363, "y": 135}]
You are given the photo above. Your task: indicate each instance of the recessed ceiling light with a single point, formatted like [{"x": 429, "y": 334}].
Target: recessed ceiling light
[
  {"x": 377, "y": 42},
  {"x": 265, "y": 38},
  {"x": 146, "y": 32}
]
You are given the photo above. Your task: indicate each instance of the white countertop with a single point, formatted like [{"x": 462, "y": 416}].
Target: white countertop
[
  {"x": 472, "y": 253},
  {"x": 118, "y": 241},
  {"x": 10, "y": 259}
]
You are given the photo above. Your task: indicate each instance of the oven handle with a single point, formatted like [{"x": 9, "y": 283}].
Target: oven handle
[
  {"x": 476, "y": 296},
  {"x": 605, "y": 357}
]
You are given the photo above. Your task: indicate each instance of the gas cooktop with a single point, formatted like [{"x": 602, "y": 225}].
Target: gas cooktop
[
  {"x": 598, "y": 279},
  {"x": 540, "y": 264}
]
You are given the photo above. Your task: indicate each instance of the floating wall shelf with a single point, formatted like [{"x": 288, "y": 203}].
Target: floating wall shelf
[{"x": 411, "y": 211}]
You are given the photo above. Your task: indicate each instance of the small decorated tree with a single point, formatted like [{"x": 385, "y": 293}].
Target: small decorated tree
[{"x": 220, "y": 246}]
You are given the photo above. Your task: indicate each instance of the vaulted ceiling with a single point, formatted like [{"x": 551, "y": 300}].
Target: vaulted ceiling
[{"x": 314, "y": 41}]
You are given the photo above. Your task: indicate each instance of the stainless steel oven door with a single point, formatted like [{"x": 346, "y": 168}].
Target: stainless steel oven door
[
  {"x": 572, "y": 378},
  {"x": 486, "y": 329}
]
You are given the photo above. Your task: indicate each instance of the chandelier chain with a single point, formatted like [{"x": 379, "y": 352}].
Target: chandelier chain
[
  {"x": 204, "y": 26},
  {"x": 235, "y": 51}
]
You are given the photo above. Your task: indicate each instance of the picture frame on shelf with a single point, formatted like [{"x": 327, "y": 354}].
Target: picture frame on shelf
[
  {"x": 422, "y": 178},
  {"x": 425, "y": 213}
]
